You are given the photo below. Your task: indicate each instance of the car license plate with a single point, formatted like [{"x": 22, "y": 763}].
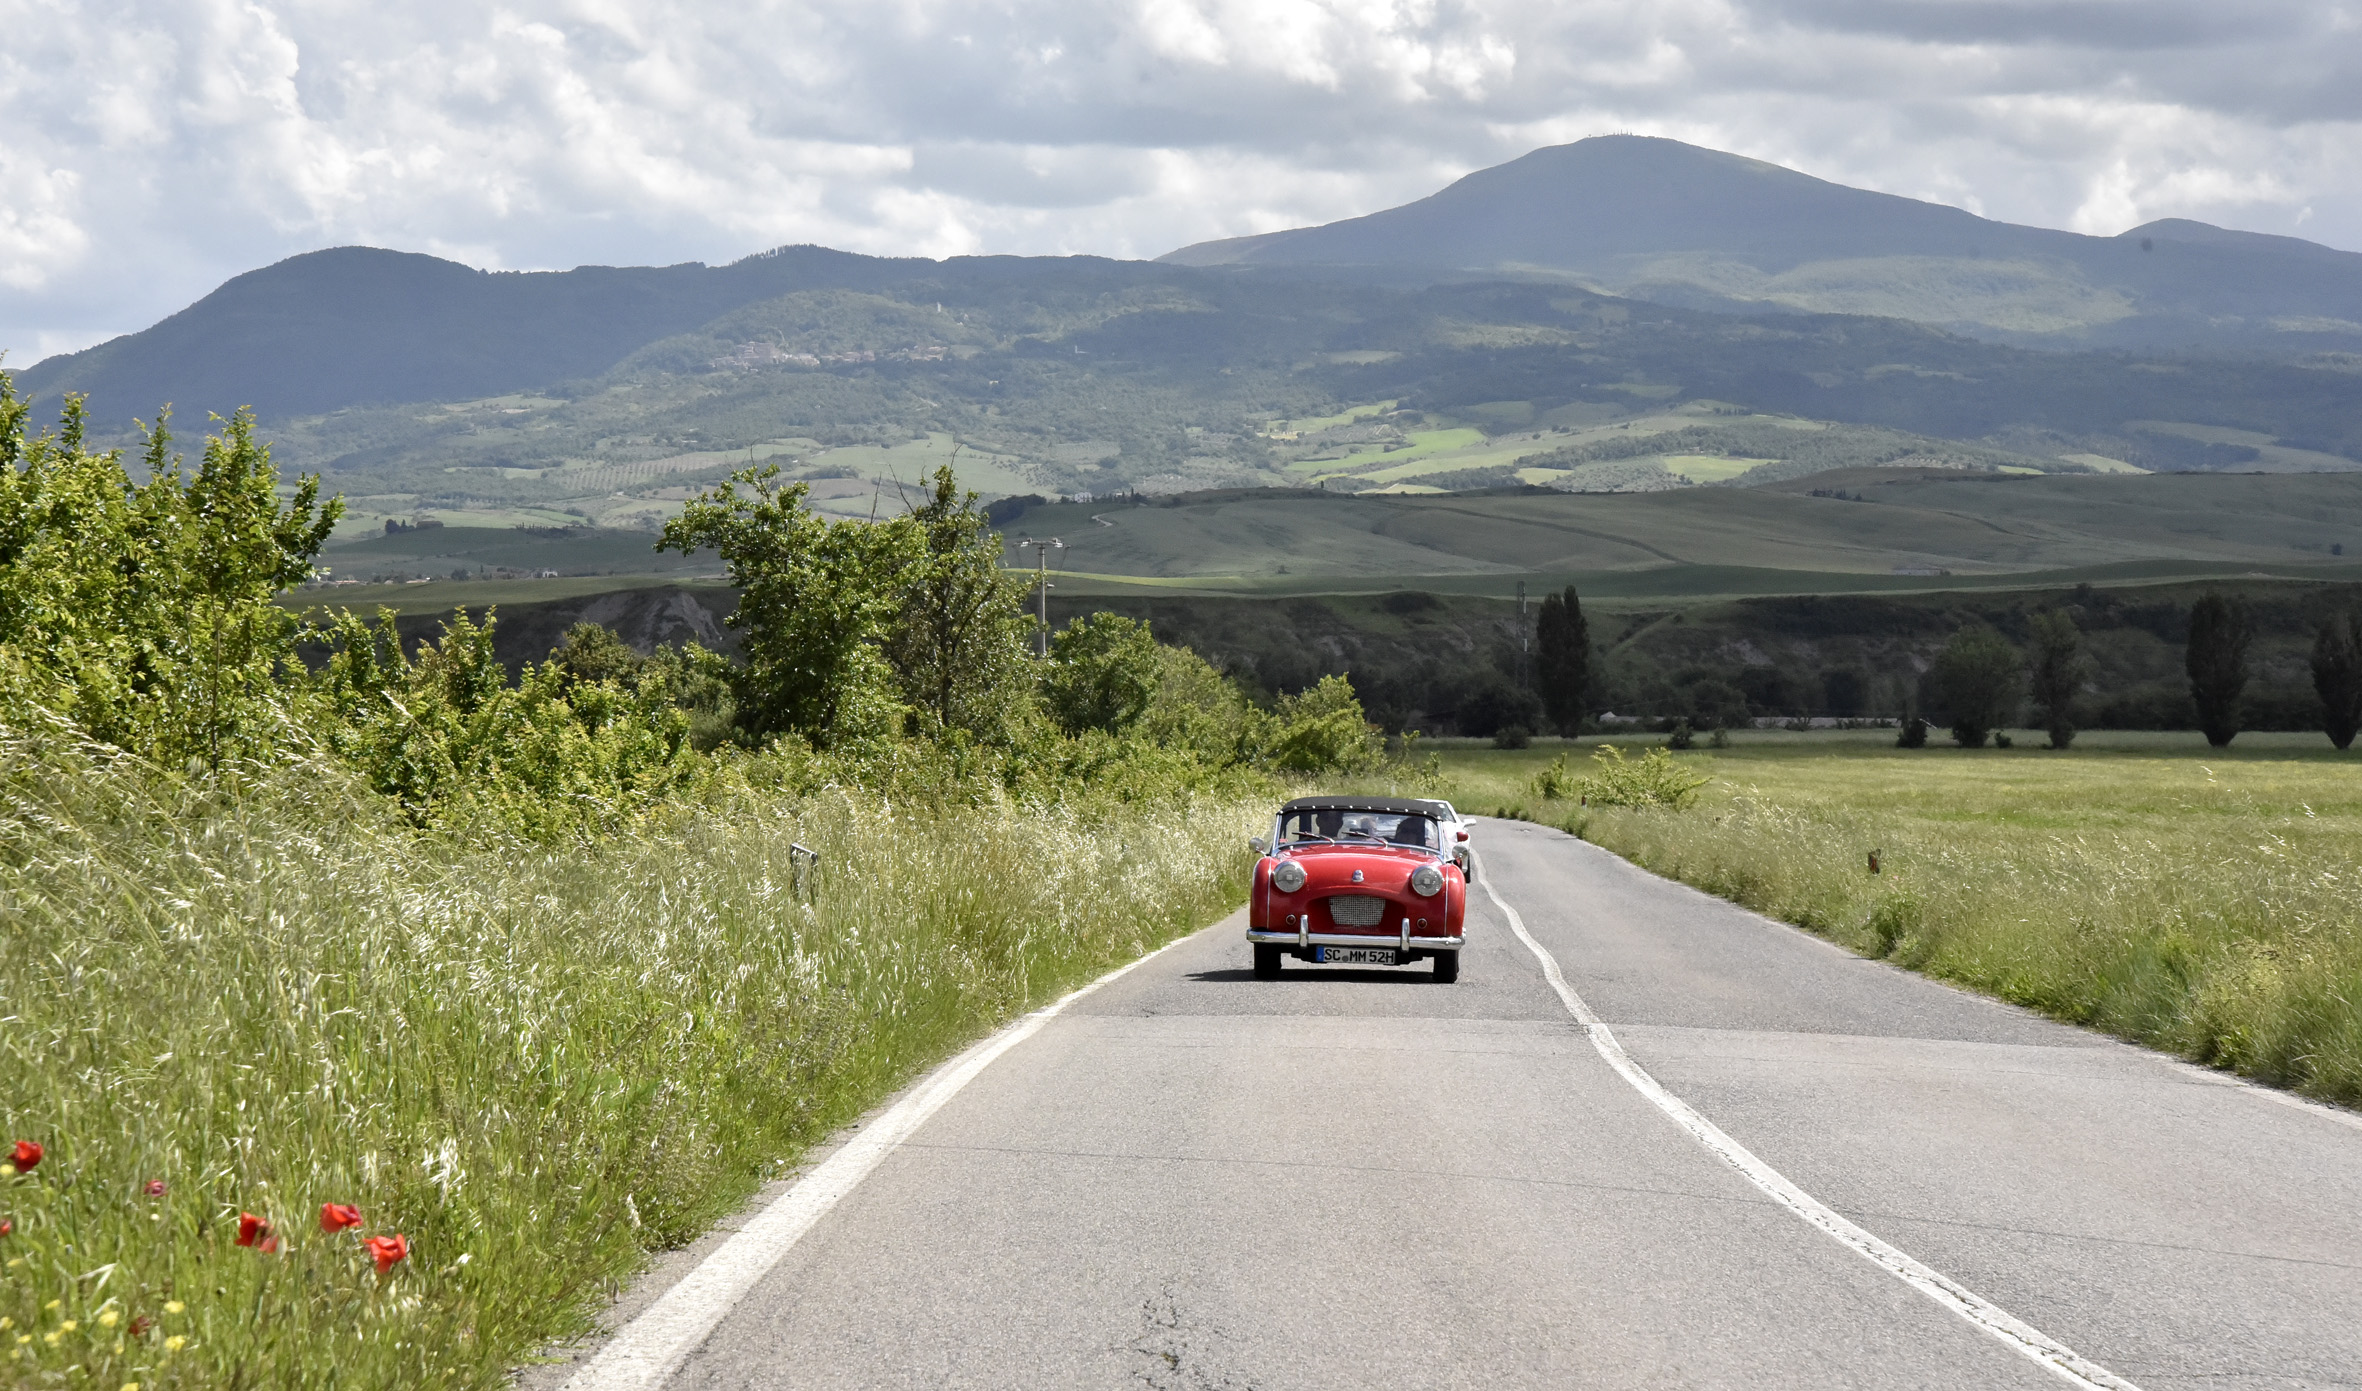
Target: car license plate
[{"x": 1370, "y": 956}]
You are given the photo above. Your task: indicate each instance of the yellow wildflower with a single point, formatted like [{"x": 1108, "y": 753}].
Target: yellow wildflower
[
  {"x": 6, "y": 1321},
  {"x": 175, "y": 1343},
  {"x": 68, "y": 1326},
  {"x": 174, "y": 1306},
  {"x": 7, "y": 1171},
  {"x": 50, "y": 1338},
  {"x": 53, "y": 1303},
  {"x": 107, "y": 1317},
  {"x": 131, "y": 1386}
]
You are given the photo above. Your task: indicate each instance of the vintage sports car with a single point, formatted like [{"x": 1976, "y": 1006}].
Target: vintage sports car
[{"x": 1369, "y": 880}]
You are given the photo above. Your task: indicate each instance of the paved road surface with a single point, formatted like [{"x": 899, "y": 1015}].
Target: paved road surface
[{"x": 1358, "y": 1178}]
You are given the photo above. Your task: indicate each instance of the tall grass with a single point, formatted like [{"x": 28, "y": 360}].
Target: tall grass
[
  {"x": 536, "y": 1063},
  {"x": 2211, "y": 907}
]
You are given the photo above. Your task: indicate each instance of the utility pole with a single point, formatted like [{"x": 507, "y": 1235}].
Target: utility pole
[
  {"x": 1525, "y": 641},
  {"x": 1041, "y": 557}
]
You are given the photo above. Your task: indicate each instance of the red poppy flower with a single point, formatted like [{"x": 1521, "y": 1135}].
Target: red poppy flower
[
  {"x": 335, "y": 1217},
  {"x": 140, "y": 1324},
  {"x": 155, "y": 1188},
  {"x": 6, "y": 1227},
  {"x": 270, "y": 1245},
  {"x": 254, "y": 1231},
  {"x": 385, "y": 1250},
  {"x": 26, "y": 1155}
]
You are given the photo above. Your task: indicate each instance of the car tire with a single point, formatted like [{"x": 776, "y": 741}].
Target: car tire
[
  {"x": 1468, "y": 870},
  {"x": 1267, "y": 959},
  {"x": 1447, "y": 967}
]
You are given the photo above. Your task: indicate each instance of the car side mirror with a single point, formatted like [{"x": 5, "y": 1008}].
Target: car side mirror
[
  {"x": 1259, "y": 845},
  {"x": 1461, "y": 834}
]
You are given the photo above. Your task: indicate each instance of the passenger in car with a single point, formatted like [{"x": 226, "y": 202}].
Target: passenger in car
[{"x": 1414, "y": 830}]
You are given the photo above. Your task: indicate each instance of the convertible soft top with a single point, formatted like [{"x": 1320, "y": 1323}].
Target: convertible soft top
[{"x": 1389, "y": 806}]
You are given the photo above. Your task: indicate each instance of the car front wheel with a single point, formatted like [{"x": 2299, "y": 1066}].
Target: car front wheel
[
  {"x": 1267, "y": 960},
  {"x": 1447, "y": 967}
]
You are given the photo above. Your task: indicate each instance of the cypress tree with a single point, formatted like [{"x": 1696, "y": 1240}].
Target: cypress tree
[
  {"x": 2337, "y": 675},
  {"x": 2217, "y": 663},
  {"x": 1562, "y": 653},
  {"x": 2059, "y": 671}
]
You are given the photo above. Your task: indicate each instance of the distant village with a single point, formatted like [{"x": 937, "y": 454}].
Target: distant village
[{"x": 751, "y": 355}]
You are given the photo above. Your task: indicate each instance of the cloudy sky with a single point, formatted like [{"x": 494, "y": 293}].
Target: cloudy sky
[{"x": 151, "y": 148}]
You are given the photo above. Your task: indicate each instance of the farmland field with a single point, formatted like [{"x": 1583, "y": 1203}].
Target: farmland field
[{"x": 2204, "y": 901}]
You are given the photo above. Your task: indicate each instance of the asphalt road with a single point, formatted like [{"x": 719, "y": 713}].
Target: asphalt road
[{"x": 1359, "y": 1178}]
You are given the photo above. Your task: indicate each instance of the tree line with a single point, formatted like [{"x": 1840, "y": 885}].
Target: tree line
[
  {"x": 1983, "y": 683},
  {"x": 146, "y": 613}
]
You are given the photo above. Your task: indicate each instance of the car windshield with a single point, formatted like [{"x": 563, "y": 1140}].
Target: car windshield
[{"x": 1358, "y": 827}]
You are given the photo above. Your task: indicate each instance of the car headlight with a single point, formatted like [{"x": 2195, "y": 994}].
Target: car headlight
[
  {"x": 1289, "y": 877},
  {"x": 1426, "y": 881}
]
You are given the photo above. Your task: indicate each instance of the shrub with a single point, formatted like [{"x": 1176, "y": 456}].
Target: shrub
[
  {"x": 1654, "y": 780},
  {"x": 1512, "y": 736},
  {"x": 1557, "y": 782},
  {"x": 1913, "y": 734}
]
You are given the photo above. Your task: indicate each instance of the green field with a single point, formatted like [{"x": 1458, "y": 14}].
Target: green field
[
  {"x": 1979, "y": 528},
  {"x": 2198, "y": 900}
]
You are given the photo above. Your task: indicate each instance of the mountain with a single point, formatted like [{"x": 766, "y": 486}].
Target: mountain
[
  {"x": 356, "y": 325},
  {"x": 1657, "y": 219}
]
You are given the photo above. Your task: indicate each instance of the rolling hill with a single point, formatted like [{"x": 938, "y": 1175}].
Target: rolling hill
[{"x": 1657, "y": 219}]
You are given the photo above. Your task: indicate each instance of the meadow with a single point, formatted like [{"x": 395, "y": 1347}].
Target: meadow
[
  {"x": 2206, "y": 902},
  {"x": 533, "y": 1062}
]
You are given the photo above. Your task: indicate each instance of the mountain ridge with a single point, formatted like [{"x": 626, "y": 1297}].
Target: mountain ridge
[{"x": 1654, "y": 218}]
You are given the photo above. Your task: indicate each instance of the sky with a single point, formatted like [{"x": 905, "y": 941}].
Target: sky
[{"x": 150, "y": 149}]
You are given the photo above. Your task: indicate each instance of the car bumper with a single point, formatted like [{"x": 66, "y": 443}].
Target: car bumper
[{"x": 1400, "y": 941}]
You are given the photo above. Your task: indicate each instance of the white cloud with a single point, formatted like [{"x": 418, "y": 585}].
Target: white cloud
[{"x": 156, "y": 147}]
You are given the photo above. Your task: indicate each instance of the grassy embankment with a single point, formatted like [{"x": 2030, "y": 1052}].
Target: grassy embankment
[
  {"x": 2207, "y": 902},
  {"x": 535, "y": 1062}
]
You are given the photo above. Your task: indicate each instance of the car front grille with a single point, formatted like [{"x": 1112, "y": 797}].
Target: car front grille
[{"x": 1356, "y": 910}]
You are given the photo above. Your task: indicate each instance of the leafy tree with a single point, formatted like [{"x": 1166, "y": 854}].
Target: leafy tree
[
  {"x": 1318, "y": 731},
  {"x": 1103, "y": 673},
  {"x": 1195, "y": 708},
  {"x": 2059, "y": 668},
  {"x": 1562, "y": 659},
  {"x": 592, "y": 652},
  {"x": 145, "y": 613},
  {"x": 2337, "y": 675},
  {"x": 816, "y": 601},
  {"x": 958, "y": 645},
  {"x": 2220, "y": 631},
  {"x": 1977, "y": 679},
  {"x": 1492, "y": 702}
]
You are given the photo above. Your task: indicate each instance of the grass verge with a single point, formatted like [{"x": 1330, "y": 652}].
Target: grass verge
[
  {"x": 2207, "y": 903},
  {"x": 535, "y": 1063}
]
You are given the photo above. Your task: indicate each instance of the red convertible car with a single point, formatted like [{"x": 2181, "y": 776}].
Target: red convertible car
[{"x": 1368, "y": 880}]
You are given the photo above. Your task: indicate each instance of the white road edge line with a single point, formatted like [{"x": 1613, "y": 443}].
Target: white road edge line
[
  {"x": 1988, "y": 1317},
  {"x": 647, "y": 1350}
]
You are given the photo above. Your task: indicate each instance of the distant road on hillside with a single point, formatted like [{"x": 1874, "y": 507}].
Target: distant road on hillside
[{"x": 1353, "y": 1177}]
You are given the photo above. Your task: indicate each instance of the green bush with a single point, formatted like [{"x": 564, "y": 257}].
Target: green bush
[{"x": 1654, "y": 780}]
